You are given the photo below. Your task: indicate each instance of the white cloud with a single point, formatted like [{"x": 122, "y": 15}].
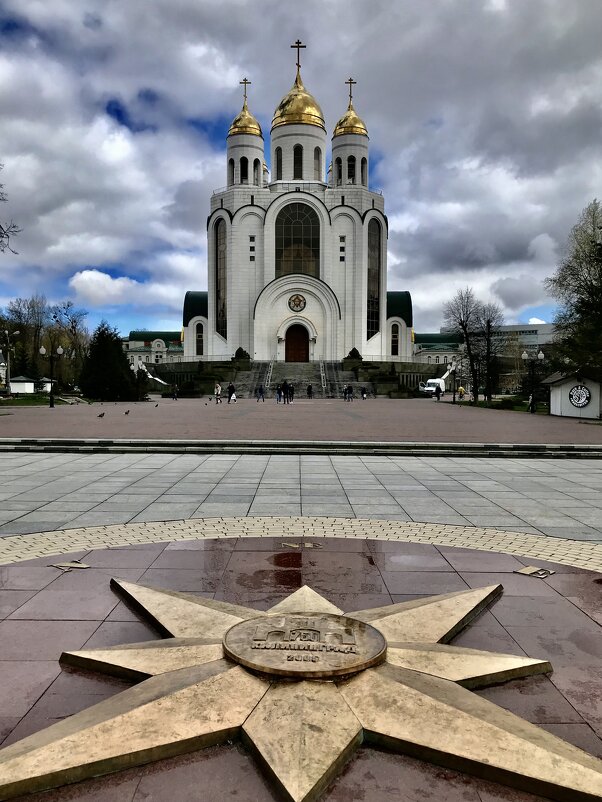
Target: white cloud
[
  {"x": 484, "y": 169},
  {"x": 535, "y": 320}
]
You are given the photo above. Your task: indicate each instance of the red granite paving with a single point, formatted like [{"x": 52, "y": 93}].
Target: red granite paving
[
  {"x": 411, "y": 420},
  {"x": 550, "y": 618}
]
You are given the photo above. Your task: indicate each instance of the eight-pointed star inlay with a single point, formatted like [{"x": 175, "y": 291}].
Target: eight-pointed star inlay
[{"x": 414, "y": 698}]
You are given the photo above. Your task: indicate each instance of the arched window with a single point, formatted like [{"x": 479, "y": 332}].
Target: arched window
[
  {"x": 298, "y": 163},
  {"x": 221, "y": 256},
  {"x": 278, "y": 155},
  {"x": 297, "y": 240},
  {"x": 244, "y": 170},
  {"x": 436, "y": 360},
  {"x": 338, "y": 172},
  {"x": 445, "y": 360},
  {"x": 230, "y": 172},
  {"x": 395, "y": 339},
  {"x": 317, "y": 164},
  {"x": 374, "y": 271},
  {"x": 428, "y": 359},
  {"x": 199, "y": 339},
  {"x": 256, "y": 172},
  {"x": 364, "y": 172},
  {"x": 351, "y": 169}
]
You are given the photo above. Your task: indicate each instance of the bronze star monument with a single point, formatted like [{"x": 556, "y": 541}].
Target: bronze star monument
[{"x": 303, "y": 685}]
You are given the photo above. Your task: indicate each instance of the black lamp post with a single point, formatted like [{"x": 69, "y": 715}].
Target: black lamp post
[
  {"x": 453, "y": 372},
  {"x": 8, "y": 337},
  {"x": 52, "y": 356},
  {"x": 531, "y": 361}
]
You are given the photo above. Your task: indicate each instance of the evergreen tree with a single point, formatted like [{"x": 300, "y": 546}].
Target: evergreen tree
[
  {"x": 577, "y": 284},
  {"x": 106, "y": 372}
]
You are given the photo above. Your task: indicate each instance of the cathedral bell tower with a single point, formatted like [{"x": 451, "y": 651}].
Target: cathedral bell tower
[
  {"x": 245, "y": 152},
  {"x": 298, "y": 146}
]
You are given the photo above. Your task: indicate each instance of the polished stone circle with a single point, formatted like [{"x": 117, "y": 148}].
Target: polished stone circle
[{"x": 305, "y": 646}]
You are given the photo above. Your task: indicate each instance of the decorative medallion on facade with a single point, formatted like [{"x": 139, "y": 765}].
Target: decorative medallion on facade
[
  {"x": 224, "y": 671},
  {"x": 580, "y": 396},
  {"x": 297, "y": 303}
]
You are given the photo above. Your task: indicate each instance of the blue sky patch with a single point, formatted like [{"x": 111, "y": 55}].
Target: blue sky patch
[{"x": 119, "y": 112}]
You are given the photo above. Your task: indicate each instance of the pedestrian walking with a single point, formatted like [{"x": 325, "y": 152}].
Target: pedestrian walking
[
  {"x": 438, "y": 393},
  {"x": 231, "y": 390},
  {"x": 363, "y": 393},
  {"x": 291, "y": 392},
  {"x": 310, "y": 391},
  {"x": 175, "y": 392},
  {"x": 285, "y": 395},
  {"x": 461, "y": 393},
  {"x": 217, "y": 392},
  {"x": 278, "y": 394},
  {"x": 349, "y": 392},
  {"x": 345, "y": 393},
  {"x": 260, "y": 393}
]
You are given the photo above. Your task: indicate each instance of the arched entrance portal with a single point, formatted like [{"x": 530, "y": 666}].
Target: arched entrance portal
[{"x": 297, "y": 344}]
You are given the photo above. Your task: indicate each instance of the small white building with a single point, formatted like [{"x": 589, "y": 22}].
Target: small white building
[
  {"x": 22, "y": 385},
  {"x": 45, "y": 384},
  {"x": 2, "y": 368},
  {"x": 574, "y": 396}
]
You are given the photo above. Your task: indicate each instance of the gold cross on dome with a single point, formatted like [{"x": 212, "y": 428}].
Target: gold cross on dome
[
  {"x": 245, "y": 82},
  {"x": 351, "y": 83},
  {"x": 298, "y": 46}
]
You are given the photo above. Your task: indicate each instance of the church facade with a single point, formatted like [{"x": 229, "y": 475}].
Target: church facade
[{"x": 297, "y": 259}]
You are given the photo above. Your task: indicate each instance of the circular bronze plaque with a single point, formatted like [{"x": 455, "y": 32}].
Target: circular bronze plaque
[{"x": 305, "y": 645}]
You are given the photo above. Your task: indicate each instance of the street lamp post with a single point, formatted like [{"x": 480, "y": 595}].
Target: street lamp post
[
  {"x": 453, "y": 371},
  {"x": 51, "y": 356},
  {"x": 531, "y": 361},
  {"x": 8, "y": 337}
]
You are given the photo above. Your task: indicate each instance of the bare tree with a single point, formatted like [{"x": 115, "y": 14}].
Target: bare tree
[
  {"x": 489, "y": 343},
  {"x": 461, "y": 314},
  {"x": 69, "y": 326},
  {"x": 7, "y": 230},
  {"x": 30, "y": 316}
]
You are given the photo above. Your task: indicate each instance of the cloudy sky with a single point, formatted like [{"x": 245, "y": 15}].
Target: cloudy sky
[{"x": 485, "y": 122}]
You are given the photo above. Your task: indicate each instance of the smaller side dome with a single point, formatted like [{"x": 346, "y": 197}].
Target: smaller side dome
[
  {"x": 245, "y": 123},
  {"x": 350, "y": 123}
]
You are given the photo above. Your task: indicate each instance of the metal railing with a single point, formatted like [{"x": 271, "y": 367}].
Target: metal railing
[
  {"x": 268, "y": 375},
  {"x": 323, "y": 376}
]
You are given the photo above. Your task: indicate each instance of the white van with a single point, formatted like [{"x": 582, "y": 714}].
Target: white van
[{"x": 430, "y": 387}]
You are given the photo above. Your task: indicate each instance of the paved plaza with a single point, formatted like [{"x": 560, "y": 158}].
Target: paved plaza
[
  {"x": 46, "y": 492},
  {"x": 380, "y": 419},
  {"x": 249, "y": 529}
]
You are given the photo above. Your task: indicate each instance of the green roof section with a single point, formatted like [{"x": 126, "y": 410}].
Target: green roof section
[
  {"x": 149, "y": 336},
  {"x": 440, "y": 338},
  {"x": 399, "y": 304},
  {"x": 195, "y": 305}
]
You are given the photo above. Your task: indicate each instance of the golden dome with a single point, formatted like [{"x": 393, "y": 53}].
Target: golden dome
[
  {"x": 245, "y": 123},
  {"x": 350, "y": 123},
  {"x": 298, "y": 106}
]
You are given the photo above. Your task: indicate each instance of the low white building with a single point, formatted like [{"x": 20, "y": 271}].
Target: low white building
[
  {"x": 22, "y": 385},
  {"x": 574, "y": 396}
]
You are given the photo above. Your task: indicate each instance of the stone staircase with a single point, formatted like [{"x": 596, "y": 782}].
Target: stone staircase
[
  {"x": 299, "y": 374},
  {"x": 247, "y": 381},
  {"x": 337, "y": 379}
]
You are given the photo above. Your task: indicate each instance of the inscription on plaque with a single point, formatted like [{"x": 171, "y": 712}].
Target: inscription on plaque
[{"x": 305, "y": 645}]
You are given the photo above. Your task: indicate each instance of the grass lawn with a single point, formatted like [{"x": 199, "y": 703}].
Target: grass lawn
[{"x": 28, "y": 401}]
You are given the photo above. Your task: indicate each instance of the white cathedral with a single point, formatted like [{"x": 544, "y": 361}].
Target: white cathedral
[{"x": 297, "y": 261}]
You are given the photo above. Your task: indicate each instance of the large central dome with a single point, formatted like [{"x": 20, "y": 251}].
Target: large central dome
[{"x": 298, "y": 106}]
